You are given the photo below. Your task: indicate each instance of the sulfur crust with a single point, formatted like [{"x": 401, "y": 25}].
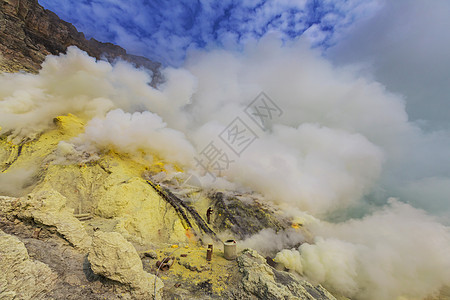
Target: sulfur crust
[{"x": 109, "y": 188}]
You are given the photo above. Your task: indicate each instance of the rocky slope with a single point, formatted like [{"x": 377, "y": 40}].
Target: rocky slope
[
  {"x": 83, "y": 220},
  {"x": 28, "y": 33},
  {"x": 80, "y": 221},
  {"x": 76, "y": 224}
]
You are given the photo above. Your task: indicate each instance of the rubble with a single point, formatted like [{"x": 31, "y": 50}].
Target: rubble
[
  {"x": 152, "y": 254},
  {"x": 192, "y": 266}
]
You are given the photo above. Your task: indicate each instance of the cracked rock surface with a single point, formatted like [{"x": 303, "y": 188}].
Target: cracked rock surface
[
  {"x": 113, "y": 257},
  {"x": 22, "y": 277},
  {"x": 264, "y": 282}
]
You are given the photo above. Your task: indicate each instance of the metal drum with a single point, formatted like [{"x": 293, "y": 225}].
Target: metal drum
[{"x": 229, "y": 249}]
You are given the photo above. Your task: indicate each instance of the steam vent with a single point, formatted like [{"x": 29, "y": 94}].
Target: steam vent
[{"x": 241, "y": 150}]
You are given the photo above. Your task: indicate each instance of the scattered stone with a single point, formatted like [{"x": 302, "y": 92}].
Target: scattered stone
[
  {"x": 193, "y": 267},
  {"x": 152, "y": 254}
]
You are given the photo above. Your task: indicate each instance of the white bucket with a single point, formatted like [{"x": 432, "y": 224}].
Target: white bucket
[{"x": 229, "y": 249}]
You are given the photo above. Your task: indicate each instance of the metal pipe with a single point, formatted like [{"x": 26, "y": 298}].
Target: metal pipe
[
  {"x": 156, "y": 276},
  {"x": 209, "y": 252}
]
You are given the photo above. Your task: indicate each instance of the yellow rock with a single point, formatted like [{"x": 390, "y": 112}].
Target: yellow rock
[
  {"x": 106, "y": 185},
  {"x": 194, "y": 268},
  {"x": 115, "y": 258},
  {"x": 22, "y": 277},
  {"x": 48, "y": 207},
  {"x": 295, "y": 225},
  {"x": 34, "y": 153}
]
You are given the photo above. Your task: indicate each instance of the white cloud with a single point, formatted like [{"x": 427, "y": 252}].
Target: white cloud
[
  {"x": 164, "y": 30},
  {"x": 405, "y": 46},
  {"x": 340, "y": 137}
]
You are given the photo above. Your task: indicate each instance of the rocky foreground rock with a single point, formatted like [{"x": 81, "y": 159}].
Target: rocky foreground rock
[
  {"x": 115, "y": 258},
  {"x": 48, "y": 208},
  {"x": 22, "y": 277},
  {"x": 264, "y": 282}
]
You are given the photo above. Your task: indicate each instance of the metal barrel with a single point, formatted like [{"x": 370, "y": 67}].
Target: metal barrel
[{"x": 229, "y": 249}]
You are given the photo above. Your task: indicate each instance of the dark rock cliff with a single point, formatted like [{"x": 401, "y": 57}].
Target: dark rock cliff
[{"x": 28, "y": 33}]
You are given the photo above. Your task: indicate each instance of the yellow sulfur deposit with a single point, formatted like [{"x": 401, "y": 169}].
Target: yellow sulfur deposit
[
  {"x": 108, "y": 204},
  {"x": 109, "y": 188},
  {"x": 191, "y": 267},
  {"x": 33, "y": 153}
]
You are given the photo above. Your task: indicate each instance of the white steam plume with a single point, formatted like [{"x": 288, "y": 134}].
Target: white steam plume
[
  {"x": 268, "y": 241},
  {"x": 17, "y": 182},
  {"x": 138, "y": 132},
  {"x": 398, "y": 251},
  {"x": 340, "y": 138},
  {"x": 76, "y": 83}
]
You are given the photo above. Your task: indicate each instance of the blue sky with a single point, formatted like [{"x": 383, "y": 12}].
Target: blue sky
[
  {"x": 163, "y": 30},
  {"x": 401, "y": 43}
]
